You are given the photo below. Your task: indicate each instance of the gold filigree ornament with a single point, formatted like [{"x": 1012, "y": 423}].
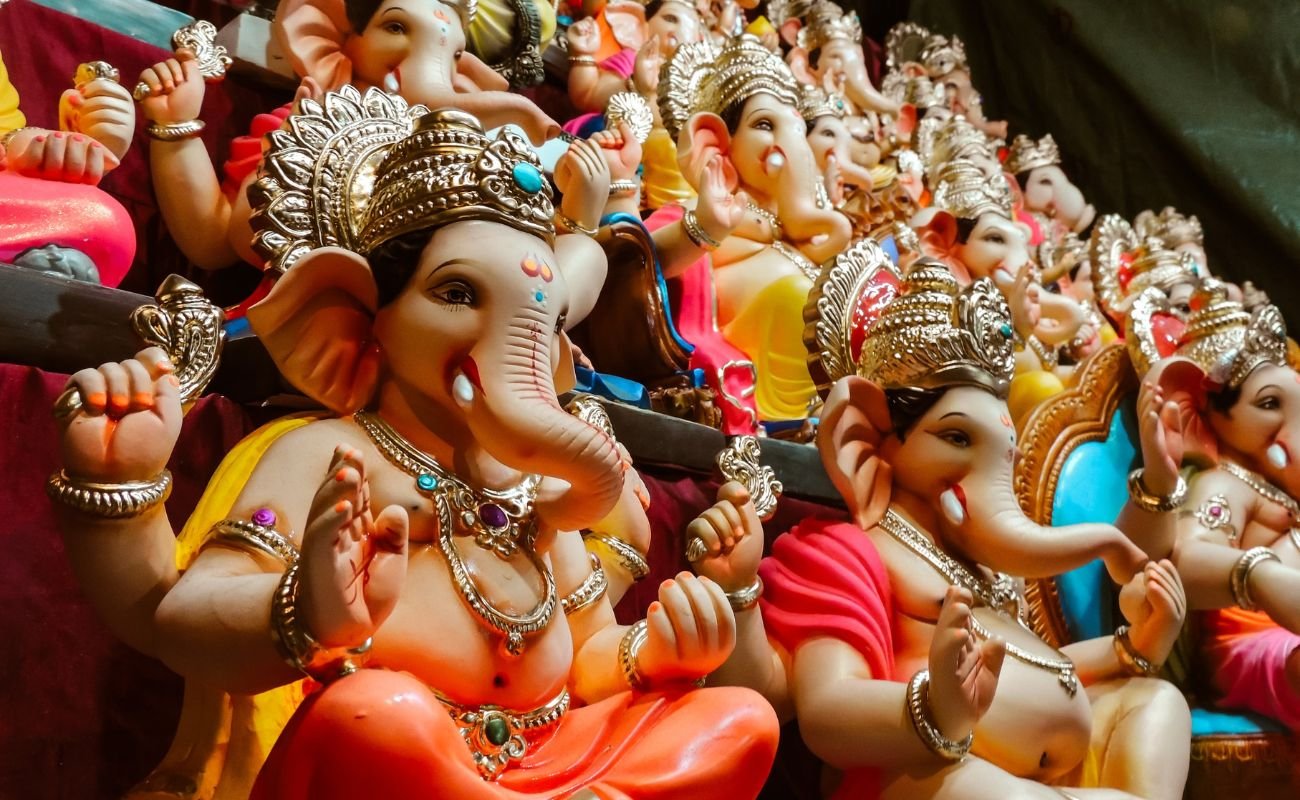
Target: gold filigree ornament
[
  {"x": 1228, "y": 342},
  {"x": 1026, "y": 154},
  {"x": 699, "y": 78},
  {"x": 828, "y": 22},
  {"x": 781, "y": 11},
  {"x": 1146, "y": 343},
  {"x": 940, "y": 141},
  {"x": 850, "y": 290},
  {"x": 1170, "y": 226},
  {"x": 935, "y": 334},
  {"x": 815, "y": 103},
  {"x": 93, "y": 71},
  {"x": 1123, "y": 265},
  {"x": 963, "y": 190},
  {"x": 200, "y": 38},
  {"x": 904, "y": 44},
  {"x": 633, "y": 109},
  {"x": 739, "y": 461}
]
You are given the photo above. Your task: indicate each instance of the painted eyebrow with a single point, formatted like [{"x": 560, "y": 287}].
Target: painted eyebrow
[
  {"x": 466, "y": 262},
  {"x": 388, "y": 11},
  {"x": 951, "y": 414},
  {"x": 1265, "y": 388}
]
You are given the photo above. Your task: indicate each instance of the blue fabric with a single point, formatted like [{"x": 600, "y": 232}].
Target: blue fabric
[
  {"x": 1093, "y": 487},
  {"x": 1221, "y": 723},
  {"x": 139, "y": 19},
  {"x": 612, "y": 387}
]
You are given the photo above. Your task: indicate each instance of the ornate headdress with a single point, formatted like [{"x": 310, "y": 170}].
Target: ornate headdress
[
  {"x": 1228, "y": 342},
  {"x": 355, "y": 172},
  {"x": 1123, "y": 266},
  {"x": 963, "y": 190},
  {"x": 1026, "y": 154},
  {"x": 936, "y": 334},
  {"x": 918, "y": 90},
  {"x": 815, "y": 103},
  {"x": 942, "y": 140},
  {"x": 943, "y": 54},
  {"x": 698, "y": 78},
  {"x": 827, "y": 21},
  {"x": 780, "y": 12},
  {"x": 1170, "y": 226}
]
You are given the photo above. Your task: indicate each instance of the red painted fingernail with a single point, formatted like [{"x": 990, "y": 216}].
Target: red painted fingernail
[
  {"x": 58, "y": 134},
  {"x": 40, "y": 138},
  {"x": 97, "y": 399},
  {"x": 655, "y": 606},
  {"x": 143, "y": 399},
  {"x": 173, "y": 380},
  {"x": 341, "y": 506},
  {"x": 118, "y": 400},
  {"x": 665, "y": 584},
  {"x": 340, "y": 475}
]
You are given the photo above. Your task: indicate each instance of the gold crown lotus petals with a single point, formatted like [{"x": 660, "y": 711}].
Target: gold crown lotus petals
[
  {"x": 904, "y": 44},
  {"x": 1124, "y": 265},
  {"x": 1026, "y": 154},
  {"x": 918, "y": 90},
  {"x": 815, "y": 103},
  {"x": 942, "y": 140},
  {"x": 698, "y": 78},
  {"x": 448, "y": 170},
  {"x": 826, "y": 22},
  {"x": 1170, "y": 226},
  {"x": 963, "y": 190},
  {"x": 936, "y": 334},
  {"x": 1228, "y": 342}
]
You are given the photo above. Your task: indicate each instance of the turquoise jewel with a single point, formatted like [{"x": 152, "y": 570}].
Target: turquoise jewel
[
  {"x": 539, "y": 295},
  {"x": 426, "y": 482},
  {"x": 1006, "y": 331},
  {"x": 527, "y": 177}
]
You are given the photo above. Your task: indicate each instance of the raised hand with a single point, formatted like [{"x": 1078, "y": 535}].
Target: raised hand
[
  {"x": 353, "y": 564},
  {"x": 58, "y": 156},
  {"x": 584, "y": 37},
  {"x": 733, "y": 539},
  {"x": 176, "y": 89},
  {"x": 128, "y": 421},
  {"x": 104, "y": 111},
  {"x": 621, "y": 151},
  {"x": 963, "y": 670},
  {"x": 1155, "y": 605},
  {"x": 718, "y": 210},
  {"x": 582, "y": 176},
  {"x": 692, "y": 630},
  {"x": 1161, "y": 431},
  {"x": 645, "y": 70},
  {"x": 1022, "y": 293}
]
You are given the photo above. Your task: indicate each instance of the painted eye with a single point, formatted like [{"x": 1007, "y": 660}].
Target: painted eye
[
  {"x": 395, "y": 28},
  {"x": 455, "y": 293},
  {"x": 995, "y": 238},
  {"x": 956, "y": 438},
  {"x": 762, "y": 125},
  {"x": 1268, "y": 404}
]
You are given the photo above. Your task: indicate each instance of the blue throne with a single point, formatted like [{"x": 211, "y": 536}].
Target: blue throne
[{"x": 1076, "y": 450}]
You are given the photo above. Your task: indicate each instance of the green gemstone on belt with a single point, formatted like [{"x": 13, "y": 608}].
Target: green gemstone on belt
[{"x": 496, "y": 731}]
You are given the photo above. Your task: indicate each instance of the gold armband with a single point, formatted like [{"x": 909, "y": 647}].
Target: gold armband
[
  {"x": 175, "y": 131},
  {"x": 1239, "y": 580},
  {"x": 1129, "y": 658},
  {"x": 296, "y": 645},
  {"x": 918, "y": 708},
  {"x": 109, "y": 500}
]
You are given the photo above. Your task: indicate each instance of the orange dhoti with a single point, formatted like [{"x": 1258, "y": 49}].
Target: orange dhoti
[{"x": 385, "y": 734}]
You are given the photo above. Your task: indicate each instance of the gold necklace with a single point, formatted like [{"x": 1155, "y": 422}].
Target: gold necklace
[
  {"x": 805, "y": 264},
  {"x": 768, "y": 216},
  {"x": 999, "y": 595},
  {"x": 1262, "y": 487},
  {"x": 500, "y": 521}
]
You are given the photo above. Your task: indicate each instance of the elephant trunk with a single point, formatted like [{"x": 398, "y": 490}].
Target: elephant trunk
[
  {"x": 820, "y": 233},
  {"x": 518, "y": 419}
]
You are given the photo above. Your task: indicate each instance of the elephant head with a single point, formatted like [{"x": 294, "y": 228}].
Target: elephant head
[
  {"x": 830, "y": 139},
  {"x": 1044, "y": 186},
  {"x": 1238, "y": 397},
  {"x": 675, "y": 23},
  {"x": 415, "y": 48},
  {"x": 420, "y": 314},
  {"x": 754, "y": 126},
  {"x": 924, "y": 426}
]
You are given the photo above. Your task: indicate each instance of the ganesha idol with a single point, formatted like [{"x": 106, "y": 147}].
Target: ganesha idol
[
  {"x": 831, "y": 41},
  {"x": 735, "y": 116},
  {"x": 1123, "y": 265},
  {"x": 414, "y": 551},
  {"x": 899, "y": 640},
  {"x": 412, "y": 48},
  {"x": 1238, "y": 543},
  {"x": 912, "y": 49},
  {"x": 56, "y": 219}
]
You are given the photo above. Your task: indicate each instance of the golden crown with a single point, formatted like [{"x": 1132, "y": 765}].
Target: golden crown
[
  {"x": 1124, "y": 265},
  {"x": 963, "y": 190},
  {"x": 355, "y": 171},
  {"x": 1026, "y": 154},
  {"x": 917, "y": 90},
  {"x": 826, "y": 22},
  {"x": 936, "y": 334},
  {"x": 780, "y": 12},
  {"x": 942, "y": 140},
  {"x": 942, "y": 55},
  {"x": 699, "y": 78},
  {"x": 815, "y": 103},
  {"x": 1229, "y": 342},
  {"x": 1170, "y": 226}
]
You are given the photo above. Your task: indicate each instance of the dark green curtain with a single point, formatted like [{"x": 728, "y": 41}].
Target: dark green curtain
[{"x": 1190, "y": 103}]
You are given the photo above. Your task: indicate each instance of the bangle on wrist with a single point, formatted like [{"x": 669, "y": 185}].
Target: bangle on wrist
[
  {"x": 1154, "y": 503},
  {"x": 1129, "y": 658},
  {"x": 1048, "y": 357},
  {"x": 921, "y": 712},
  {"x": 573, "y": 226},
  {"x": 746, "y": 598},
  {"x": 297, "y": 647},
  {"x": 581, "y": 60},
  {"x": 9, "y": 137},
  {"x": 696, "y": 233},
  {"x": 1239, "y": 579},
  {"x": 175, "y": 131},
  {"x": 629, "y": 647},
  {"x": 109, "y": 500},
  {"x": 255, "y": 536},
  {"x": 624, "y": 188}
]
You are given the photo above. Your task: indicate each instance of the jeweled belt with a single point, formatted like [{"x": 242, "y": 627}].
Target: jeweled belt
[{"x": 497, "y": 736}]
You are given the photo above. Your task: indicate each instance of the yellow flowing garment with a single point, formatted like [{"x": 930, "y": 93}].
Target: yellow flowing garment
[
  {"x": 661, "y": 176},
  {"x": 770, "y": 331},
  {"x": 11, "y": 119}
]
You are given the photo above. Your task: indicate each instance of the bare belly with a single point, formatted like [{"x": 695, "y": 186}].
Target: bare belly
[
  {"x": 1034, "y": 729},
  {"x": 435, "y": 636},
  {"x": 738, "y": 283}
]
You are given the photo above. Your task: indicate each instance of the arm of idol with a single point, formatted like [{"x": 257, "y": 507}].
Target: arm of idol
[
  {"x": 622, "y": 154},
  {"x": 1154, "y": 604},
  {"x": 582, "y": 176},
  {"x": 1161, "y": 433},
  {"x": 645, "y": 75},
  {"x": 690, "y": 630},
  {"x": 1023, "y": 300},
  {"x": 98, "y": 121},
  {"x": 590, "y": 87},
  {"x": 196, "y": 211},
  {"x": 717, "y": 212},
  {"x": 733, "y": 537},
  {"x": 1206, "y": 557},
  {"x": 851, "y": 718},
  {"x": 628, "y": 523}
]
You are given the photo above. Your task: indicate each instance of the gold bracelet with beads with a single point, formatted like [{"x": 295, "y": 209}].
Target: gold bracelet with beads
[{"x": 109, "y": 500}]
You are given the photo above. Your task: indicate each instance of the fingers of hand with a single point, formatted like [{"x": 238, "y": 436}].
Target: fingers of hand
[
  {"x": 677, "y": 606},
  {"x": 152, "y": 77},
  {"x": 703, "y": 611},
  {"x": 340, "y": 493},
  {"x": 56, "y": 146},
  {"x": 392, "y": 527},
  {"x": 93, "y": 387},
  {"x": 155, "y": 360},
  {"x": 702, "y": 528}
]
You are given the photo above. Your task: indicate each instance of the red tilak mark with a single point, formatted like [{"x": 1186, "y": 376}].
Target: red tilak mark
[
  {"x": 537, "y": 358},
  {"x": 1006, "y": 421},
  {"x": 470, "y": 368}
]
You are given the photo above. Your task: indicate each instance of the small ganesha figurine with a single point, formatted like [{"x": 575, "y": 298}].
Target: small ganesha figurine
[
  {"x": 415, "y": 550},
  {"x": 900, "y": 640}
]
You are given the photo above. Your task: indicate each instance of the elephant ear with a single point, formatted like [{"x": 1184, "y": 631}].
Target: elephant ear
[
  {"x": 474, "y": 75},
  {"x": 317, "y": 322},
  {"x": 938, "y": 237},
  {"x": 311, "y": 33},
  {"x": 854, "y": 422},
  {"x": 584, "y": 265},
  {"x": 705, "y": 136},
  {"x": 801, "y": 66},
  {"x": 626, "y": 20},
  {"x": 1184, "y": 384}
]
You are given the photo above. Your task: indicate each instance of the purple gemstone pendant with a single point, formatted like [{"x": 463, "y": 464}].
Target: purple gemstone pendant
[
  {"x": 264, "y": 517},
  {"x": 493, "y": 516}
]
